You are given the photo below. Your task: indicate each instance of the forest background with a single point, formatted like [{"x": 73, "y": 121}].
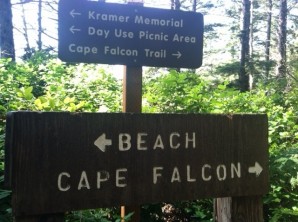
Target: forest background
[{"x": 250, "y": 65}]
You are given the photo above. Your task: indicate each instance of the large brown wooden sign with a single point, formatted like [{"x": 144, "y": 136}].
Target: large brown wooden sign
[{"x": 57, "y": 162}]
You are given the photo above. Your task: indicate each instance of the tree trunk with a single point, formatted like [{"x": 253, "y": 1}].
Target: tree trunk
[
  {"x": 6, "y": 31},
  {"x": 175, "y": 4},
  {"x": 251, "y": 47},
  {"x": 282, "y": 40},
  {"x": 194, "y": 5},
  {"x": 39, "y": 41},
  {"x": 26, "y": 36},
  {"x": 194, "y": 9},
  {"x": 244, "y": 57},
  {"x": 244, "y": 209},
  {"x": 268, "y": 39}
]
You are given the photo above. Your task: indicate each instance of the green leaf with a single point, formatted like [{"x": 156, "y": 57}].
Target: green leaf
[{"x": 4, "y": 194}]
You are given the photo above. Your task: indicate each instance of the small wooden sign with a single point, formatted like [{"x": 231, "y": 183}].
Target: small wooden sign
[{"x": 57, "y": 162}]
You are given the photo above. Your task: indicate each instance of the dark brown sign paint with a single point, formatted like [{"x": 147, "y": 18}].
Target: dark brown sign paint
[{"x": 57, "y": 162}]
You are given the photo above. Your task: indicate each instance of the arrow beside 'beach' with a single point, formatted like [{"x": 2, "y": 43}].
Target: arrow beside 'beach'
[
  {"x": 257, "y": 169},
  {"x": 73, "y": 13},
  {"x": 102, "y": 142},
  {"x": 178, "y": 54},
  {"x": 73, "y": 29}
]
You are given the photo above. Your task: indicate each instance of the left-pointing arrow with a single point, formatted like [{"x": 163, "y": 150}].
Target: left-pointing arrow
[
  {"x": 73, "y": 13},
  {"x": 73, "y": 29},
  {"x": 102, "y": 142}
]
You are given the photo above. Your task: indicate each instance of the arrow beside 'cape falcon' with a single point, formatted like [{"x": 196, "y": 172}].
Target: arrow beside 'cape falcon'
[
  {"x": 102, "y": 142},
  {"x": 257, "y": 169}
]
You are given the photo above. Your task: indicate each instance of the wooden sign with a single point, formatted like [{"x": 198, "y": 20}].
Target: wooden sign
[
  {"x": 57, "y": 162},
  {"x": 132, "y": 35}
]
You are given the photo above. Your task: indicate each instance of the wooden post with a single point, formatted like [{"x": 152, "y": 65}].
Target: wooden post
[
  {"x": 244, "y": 209},
  {"x": 132, "y": 89},
  {"x": 132, "y": 102}
]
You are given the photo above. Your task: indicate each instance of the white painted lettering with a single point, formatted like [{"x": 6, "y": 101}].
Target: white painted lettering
[
  {"x": 91, "y": 15},
  {"x": 99, "y": 32},
  {"x": 123, "y": 18},
  {"x": 145, "y": 35},
  {"x": 189, "y": 179},
  {"x": 60, "y": 187},
  {"x": 188, "y": 140},
  {"x": 221, "y": 172},
  {"x": 186, "y": 39},
  {"x": 102, "y": 176},
  {"x": 158, "y": 143},
  {"x": 120, "y": 178},
  {"x": 124, "y": 142},
  {"x": 84, "y": 183},
  {"x": 82, "y": 49},
  {"x": 120, "y": 52},
  {"x": 204, "y": 177},
  {"x": 236, "y": 170},
  {"x": 141, "y": 141},
  {"x": 107, "y": 17},
  {"x": 175, "y": 175},
  {"x": 177, "y": 145},
  {"x": 156, "y": 174},
  {"x": 156, "y": 54},
  {"x": 139, "y": 19},
  {"x": 119, "y": 33}
]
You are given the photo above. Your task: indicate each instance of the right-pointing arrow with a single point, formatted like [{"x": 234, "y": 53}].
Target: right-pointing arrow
[
  {"x": 257, "y": 169},
  {"x": 178, "y": 54},
  {"x": 101, "y": 142}
]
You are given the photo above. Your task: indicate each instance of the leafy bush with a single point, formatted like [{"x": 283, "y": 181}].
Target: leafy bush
[
  {"x": 102, "y": 215},
  {"x": 188, "y": 93},
  {"x": 281, "y": 202},
  {"x": 50, "y": 85}
]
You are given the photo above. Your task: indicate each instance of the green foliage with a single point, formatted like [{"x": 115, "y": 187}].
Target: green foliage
[
  {"x": 47, "y": 84},
  {"x": 281, "y": 203},
  {"x": 55, "y": 86},
  {"x": 229, "y": 69},
  {"x": 43, "y": 83},
  {"x": 5, "y": 208},
  {"x": 198, "y": 210},
  {"x": 176, "y": 92},
  {"x": 188, "y": 93},
  {"x": 34, "y": 56},
  {"x": 102, "y": 215}
]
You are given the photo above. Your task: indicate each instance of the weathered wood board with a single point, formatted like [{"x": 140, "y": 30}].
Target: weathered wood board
[{"x": 57, "y": 162}]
